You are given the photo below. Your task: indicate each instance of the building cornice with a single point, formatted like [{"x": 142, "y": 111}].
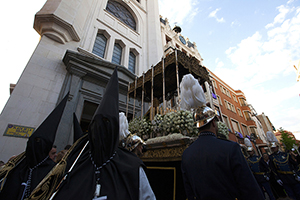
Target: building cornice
[
  {"x": 55, "y": 28},
  {"x": 94, "y": 69}
]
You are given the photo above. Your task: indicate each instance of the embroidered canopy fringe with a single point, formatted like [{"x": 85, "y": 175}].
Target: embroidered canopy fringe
[
  {"x": 10, "y": 165},
  {"x": 51, "y": 182}
]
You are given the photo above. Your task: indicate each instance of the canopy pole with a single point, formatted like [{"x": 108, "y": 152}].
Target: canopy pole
[
  {"x": 127, "y": 100},
  {"x": 177, "y": 76},
  {"x": 164, "y": 85},
  {"x": 134, "y": 97},
  {"x": 151, "y": 111},
  {"x": 142, "y": 110}
]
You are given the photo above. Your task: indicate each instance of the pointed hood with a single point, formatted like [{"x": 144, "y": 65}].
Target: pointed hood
[
  {"x": 104, "y": 127},
  {"x": 77, "y": 129},
  {"x": 41, "y": 141}
]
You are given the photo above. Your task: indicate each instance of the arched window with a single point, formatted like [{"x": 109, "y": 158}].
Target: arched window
[
  {"x": 100, "y": 45},
  {"x": 121, "y": 13},
  {"x": 117, "y": 54},
  {"x": 131, "y": 63}
]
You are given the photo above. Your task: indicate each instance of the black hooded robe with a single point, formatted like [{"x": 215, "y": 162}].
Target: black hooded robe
[
  {"x": 36, "y": 158},
  {"x": 13, "y": 188},
  {"x": 119, "y": 179},
  {"x": 102, "y": 163}
]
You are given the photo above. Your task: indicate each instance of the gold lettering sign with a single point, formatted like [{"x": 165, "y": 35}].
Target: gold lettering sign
[{"x": 18, "y": 131}]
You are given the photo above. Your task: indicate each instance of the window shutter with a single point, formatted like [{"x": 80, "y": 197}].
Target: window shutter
[
  {"x": 131, "y": 64},
  {"x": 117, "y": 54},
  {"x": 100, "y": 45}
]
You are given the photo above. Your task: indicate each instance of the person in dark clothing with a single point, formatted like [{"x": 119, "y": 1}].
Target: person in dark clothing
[
  {"x": 261, "y": 172},
  {"x": 286, "y": 171},
  {"x": 215, "y": 169},
  {"x": 278, "y": 190},
  {"x": 23, "y": 173},
  {"x": 53, "y": 153},
  {"x": 295, "y": 155},
  {"x": 135, "y": 144},
  {"x": 95, "y": 167}
]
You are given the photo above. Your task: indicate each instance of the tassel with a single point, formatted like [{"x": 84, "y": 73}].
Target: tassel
[{"x": 10, "y": 165}]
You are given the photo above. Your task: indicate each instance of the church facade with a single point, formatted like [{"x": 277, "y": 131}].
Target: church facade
[{"x": 81, "y": 43}]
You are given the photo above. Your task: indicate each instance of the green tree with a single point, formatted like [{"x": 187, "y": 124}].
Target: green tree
[{"x": 287, "y": 140}]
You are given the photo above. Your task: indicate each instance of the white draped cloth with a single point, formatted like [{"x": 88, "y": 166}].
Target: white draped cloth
[{"x": 145, "y": 190}]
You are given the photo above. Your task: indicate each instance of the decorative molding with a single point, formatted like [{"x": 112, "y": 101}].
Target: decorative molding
[
  {"x": 88, "y": 53},
  {"x": 165, "y": 154},
  {"x": 55, "y": 28}
]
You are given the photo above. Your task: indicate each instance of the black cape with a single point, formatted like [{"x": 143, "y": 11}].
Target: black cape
[
  {"x": 13, "y": 188},
  {"x": 119, "y": 179},
  {"x": 102, "y": 162},
  {"x": 216, "y": 169},
  {"x": 36, "y": 158}
]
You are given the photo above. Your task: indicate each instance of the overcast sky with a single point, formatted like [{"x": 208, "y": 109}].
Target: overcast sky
[{"x": 251, "y": 45}]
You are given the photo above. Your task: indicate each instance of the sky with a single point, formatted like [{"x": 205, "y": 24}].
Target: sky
[{"x": 251, "y": 45}]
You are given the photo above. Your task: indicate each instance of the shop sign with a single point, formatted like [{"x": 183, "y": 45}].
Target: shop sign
[{"x": 18, "y": 131}]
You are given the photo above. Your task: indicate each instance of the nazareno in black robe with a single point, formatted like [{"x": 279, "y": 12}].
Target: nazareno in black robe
[
  {"x": 118, "y": 168},
  {"x": 36, "y": 158}
]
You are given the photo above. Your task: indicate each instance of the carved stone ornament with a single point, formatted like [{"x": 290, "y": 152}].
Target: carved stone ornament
[{"x": 55, "y": 28}]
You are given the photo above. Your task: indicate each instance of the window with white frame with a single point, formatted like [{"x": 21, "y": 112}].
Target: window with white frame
[
  {"x": 235, "y": 126},
  {"x": 131, "y": 63},
  {"x": 117, "y": 54},
  {"x": 228, "y": 93},
  {"x": 247, "y": 115},
  {"x": 233, "y": 108},
  {"x": 225, "y": 91},
  {"x": 226, "y": 104},
  {"x": 253, "y": 129},
  {"x": 122, "y": 13},
  {"x": 240, "y": 113},
  {"x": 222, "y": 89},
  {"x": 219, "y": 100},
  {"x": 214, "y": 84},
  {"x": 234, "y": 97},
  {"x": 243, "y": 102},
  {"x": 100, "y": 45},
  {"x": 245, "y": 129},
  {"x": 226, "y": 121}
]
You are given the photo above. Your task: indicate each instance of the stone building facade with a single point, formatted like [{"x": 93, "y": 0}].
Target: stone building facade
[{"x": 81, "y": 43}]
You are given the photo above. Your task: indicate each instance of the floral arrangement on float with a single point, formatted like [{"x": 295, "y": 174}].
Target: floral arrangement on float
[
  {"x": 162, "y": 125},
  {"x": 141, "y": 127},
  {"x": 177, "y": 123},
  {"x": 223, "y": 130},
  {"x": 174, "y": 122}
]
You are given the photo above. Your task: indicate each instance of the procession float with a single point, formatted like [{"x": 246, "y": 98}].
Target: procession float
[{"x": 166, "y": 95}]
